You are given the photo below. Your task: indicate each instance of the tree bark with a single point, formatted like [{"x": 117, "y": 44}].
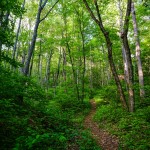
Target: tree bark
[
  {"x": 58, "y": 68},
  {"x": 81, "y": 27},
  {"x": 33, "y": 41},
  {"x": 73, "y": 70},
  {"x": 139, "y": 63},
  {"x": 4, "y": 20},
  {"x": 128, "y": 56},
  {"x": 91, "y": 74},
  {"x": 48, "y": 68},
  {"x": 40, "y": 62},
  {"x": 71, "y": 59},
  {"x": 109, "y": 47},
  {"x": 1, "y": 18},
  {"x": 64, "y": 65},
  {"x": 17, "y": 34},
  {"x": 31, "y": 48},
  {"x": 126, "y": 73},
  {"x": 31, "y": 66},
  {"x": 23, "y": 60}
]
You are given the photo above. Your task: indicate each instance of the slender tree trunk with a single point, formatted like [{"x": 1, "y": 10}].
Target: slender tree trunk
[
  {"x": 73, "y": 70},
  {"x": 71, "y": 60},
  {"x": 40, "y": 68},
  {"x": 139, "y": 63},
  {"x": 1, "y": 18},
  {"x": 83, "y": 73},
  {"x": 17, "y": 34},
  {"x": 3, "y": 24},
  {"x": 31, "y": 66},
  {"x": 126, "y": 73},
  {"x": 23, "y": 60},
  {"x": 17, "y": 53},
  {"x": 81, "y": 27},
  {"x": 0, "y": 53},
  {"x": 79, "y": 70},
  {"x": 102, "y": 69},
  {"x": 58, "y": 68},
  {"x": 48, "y": 68},
  {"x": 91, "y": 75},
  {"x": 130, "y": 79},
  {"x": 64, "y": 72},
  {"x": 64, "y": 64},
  {"x": 56, "y": 75},
  {"x": 31, "y": 48},
  {"x": 40, "y": 62},
  {"x": 128, "y": 56},
  {"x": 109, "y": 47},
  {"x": 41, "y": 6}
]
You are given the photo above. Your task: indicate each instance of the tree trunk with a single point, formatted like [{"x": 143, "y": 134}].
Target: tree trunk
[
  {"x": 73, "y": 70},
  {"x": 91, "y": 75},
  {"x": 64, "y": 68},
  {"x": 31, "y": 48},
  {"x": 81, "y": 27},
  {"x": 1, "y": 18},
  {"x": 128, "y": 56},
  {"x": 0, "y": 53},
  {"x": 139, "y": 63},
  {"x": 40, "y": 63},
  {"x": 31, "y": 66},
  {"x": 109, "y": 47},
  {"x": 71, "y": 60},
  {"x": 4, "y": 21},
  {"x": 83, "y": 72},
  {"x": 126, "y": 73},
  {"x": 33, "y": 41},
  {"x": 17, "y": 34},
  {"x": 58, "y": 68},
  {"x": 23, "y": 60},
  {"x": 130, "y": 78},
  {"x": 48, "y": 68},
  {"x": 114, "y": 72}
]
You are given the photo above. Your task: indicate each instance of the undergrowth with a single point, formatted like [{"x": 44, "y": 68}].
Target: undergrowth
[
  {"x": 38, "y": 123},
  {"x": 133, "y": 129}
]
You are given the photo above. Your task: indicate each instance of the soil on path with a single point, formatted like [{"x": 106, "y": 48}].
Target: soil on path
[{"x": 103, "y": 138}]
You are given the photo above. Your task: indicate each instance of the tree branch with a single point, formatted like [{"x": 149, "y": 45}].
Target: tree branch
[
  {"x": 126, "y": 21},
  {"x": 42, "y": 6},
  {"x": 99, "y": 17},
  {"x": 91, "y": 12},
  {"x": 49, "y": 11}
]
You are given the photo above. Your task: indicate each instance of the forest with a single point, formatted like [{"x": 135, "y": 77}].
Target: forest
[{"x": 75, "y": 74}]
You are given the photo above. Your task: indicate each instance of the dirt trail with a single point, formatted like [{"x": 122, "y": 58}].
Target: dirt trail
[{"x": 103, "y": 138}]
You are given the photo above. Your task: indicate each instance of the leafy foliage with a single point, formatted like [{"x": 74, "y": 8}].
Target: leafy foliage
[
  {"x": 132, "y": 129},
  {"x": 38, "y": 123},
  {"x": 7, "y": 24},
  {"x": 42, "y": 111}
]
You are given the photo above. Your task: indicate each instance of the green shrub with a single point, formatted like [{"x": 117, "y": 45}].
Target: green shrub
[
  {"x": 85, "y": 141},
  {"x": 109, "y": 113},
  {"x": 38, "y": 122},
  {"x": 133, "y": 129}
]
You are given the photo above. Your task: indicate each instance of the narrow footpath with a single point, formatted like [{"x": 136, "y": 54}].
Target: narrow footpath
[{"x": 103, "y": 138}]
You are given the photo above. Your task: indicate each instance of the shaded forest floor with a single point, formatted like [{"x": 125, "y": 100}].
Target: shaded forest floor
[
  {"x": 46, "y": 121},
  {"x": 105, "y": 140}
]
